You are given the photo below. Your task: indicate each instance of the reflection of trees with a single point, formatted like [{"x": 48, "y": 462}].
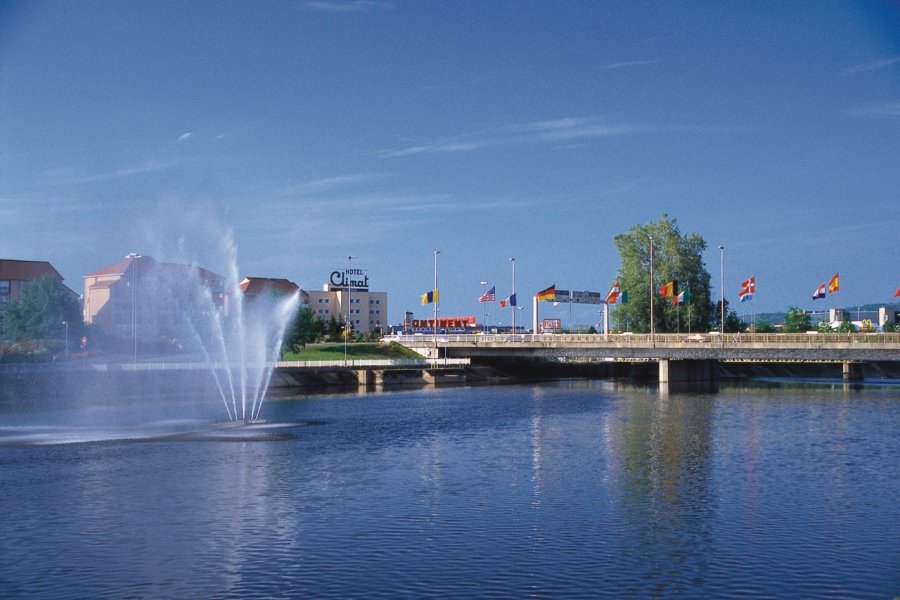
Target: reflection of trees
[{"x": 666, "y": 470}]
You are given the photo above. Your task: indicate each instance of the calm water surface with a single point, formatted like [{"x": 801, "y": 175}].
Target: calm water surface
[{"x": 575, "y": 489}]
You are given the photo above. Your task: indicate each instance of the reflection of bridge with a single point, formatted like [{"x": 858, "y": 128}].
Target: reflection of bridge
[{"x": 682, "y": 357}]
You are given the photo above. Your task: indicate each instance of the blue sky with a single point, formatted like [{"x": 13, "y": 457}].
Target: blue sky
[{"x": 314, "y": 130}]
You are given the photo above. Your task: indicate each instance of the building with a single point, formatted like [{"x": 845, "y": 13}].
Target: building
[
  {"x": 257, "y": 288},
  {"x": 138, "y": 296},
  {"x": 348, "y": 290},
  {"x": 14, "y": 274}
]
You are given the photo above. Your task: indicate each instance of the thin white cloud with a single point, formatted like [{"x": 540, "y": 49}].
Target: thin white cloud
[
  {"x": 185, "y": 136},
  {"x": 874, "y": 65},
  {"x": 325, "y": 184},
  {"x": 72, "y": 177},
  {"x": 441, "y": 148},
  {"x": 886, "y": 109},
  {"x": 629, "y": 63},
  {"x": 554, "y": 130},
  {"x": 346, "y": 7},
  {"x": 575, "y": 128}
]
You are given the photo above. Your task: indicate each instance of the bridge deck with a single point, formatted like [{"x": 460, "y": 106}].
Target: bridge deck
[{"x": 699, "y": 346}]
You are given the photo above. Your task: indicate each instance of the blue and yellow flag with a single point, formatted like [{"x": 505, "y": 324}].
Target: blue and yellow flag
[{"x": 429, "y": 297}]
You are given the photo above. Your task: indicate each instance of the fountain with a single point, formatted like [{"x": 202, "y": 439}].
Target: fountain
[{"x": 239, "y": 341}]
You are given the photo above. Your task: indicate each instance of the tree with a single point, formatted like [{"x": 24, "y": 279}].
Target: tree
[
  {"x": 797, "y": 320},
  {"x": 306, "y": 328},
  {"x": 733, "y": 323},
  {"x": 676, "y": 257},
  {"x": 763, "y": 326},
  {"x": 44, "y": 311},
  {"x": 846, "y": 326}
]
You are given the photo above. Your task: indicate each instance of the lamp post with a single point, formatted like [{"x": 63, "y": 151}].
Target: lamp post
[
  {"x": 66, "y": 323},
  {"x": 722, "y": 299},
  {"x": 348, "y": 324},
  {"x": 437, "y": 296},
  {"x": 513, "y": 296}
]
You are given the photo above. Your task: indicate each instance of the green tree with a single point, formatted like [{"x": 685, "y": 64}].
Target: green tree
[
  {"x": 890, "y": 327},
  {"x": 846, "y": 326},
  {"x": 824, "y": 327},
  {"x": 676, "y": 257},
  {"x": 305, "y": 328},
  {"x": 334, "y": 330},
  {"x": 733, "y": 323},
  {"x": 44, "y": 311},
  {"x": 797, "y": 320},
  {"x": 763, "y": 326}
]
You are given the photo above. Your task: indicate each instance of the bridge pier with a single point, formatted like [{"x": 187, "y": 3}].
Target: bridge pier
[
  {"x": 688, "y": 371},
  {"x": 853, "y": 371}
]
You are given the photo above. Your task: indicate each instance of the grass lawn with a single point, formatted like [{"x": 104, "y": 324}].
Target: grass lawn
[{"x": 355, "y": 350}]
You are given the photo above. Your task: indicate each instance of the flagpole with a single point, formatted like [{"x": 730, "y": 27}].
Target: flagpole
[
  {"x": 651, "y": 290},
  {"x": 484, "y": 306},
  {"x": 722, "y": 302},
  {"x": 513, "y": 261},
  {"x": 436, "y": 300}
]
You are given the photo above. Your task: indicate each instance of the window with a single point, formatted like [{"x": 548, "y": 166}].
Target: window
[{"x": 5, "y": 287}]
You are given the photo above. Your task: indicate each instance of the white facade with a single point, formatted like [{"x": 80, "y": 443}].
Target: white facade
[{"x": 368, "y": 310}]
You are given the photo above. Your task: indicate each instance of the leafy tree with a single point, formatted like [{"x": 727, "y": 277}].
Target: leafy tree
[
  {"x": 675, "y": 257},
  {"x": 763, "y": 326},
  {"x": 824, "y": 327},
  {"x": 846, "y": 326},
  {"x": 334, "y": 330},
  {"x": 43, "y": 312},
  {"x": 733, "y": 323},
  {"x": 797, "y": 320},
  {"x": 890, "y": 327},
  {"x": 306, "y": 328}
]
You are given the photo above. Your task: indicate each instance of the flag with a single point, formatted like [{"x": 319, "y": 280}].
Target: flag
[
  {"x": 683, "y": 298},
  {"x": 897, "y": 293},
  {"x": 488, "y": 296},
  {"x": 624, "y": 297},
  {"x": 834, "y": 285},
  {"x": 613, "y": 294},
  {"x": 503, "y": 302},
  {"x": 748, "y": 288},
  {"x": 510, "y": 301},
  {"x": 669, "y": 290},
  {"x": 547, "y": 294},
  {"x": 819, "y": 293},
  {"x": 429, "y": 297}
]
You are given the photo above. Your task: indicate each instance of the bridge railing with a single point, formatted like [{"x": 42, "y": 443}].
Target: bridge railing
[{"x": 645, "y": 339}]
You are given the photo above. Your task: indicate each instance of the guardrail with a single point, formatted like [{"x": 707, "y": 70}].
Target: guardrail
[
  {"x": 645, "y": 339},
  {"x": 195, "y": 366}
]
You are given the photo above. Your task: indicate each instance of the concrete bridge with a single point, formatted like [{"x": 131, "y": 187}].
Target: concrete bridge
[{"x": 681, "y": 357}]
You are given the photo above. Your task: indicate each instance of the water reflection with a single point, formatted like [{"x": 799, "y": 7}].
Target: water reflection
[{"x": 576, "y": 489}]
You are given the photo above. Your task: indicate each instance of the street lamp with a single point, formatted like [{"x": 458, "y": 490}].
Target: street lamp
[
  {"x": 513, "y": 296},
  {"x": 66, "y": 323},
  {"x": 348, "y": 324}
]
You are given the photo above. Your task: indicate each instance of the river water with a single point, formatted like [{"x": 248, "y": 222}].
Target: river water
[{"x": 562, "y": 490}]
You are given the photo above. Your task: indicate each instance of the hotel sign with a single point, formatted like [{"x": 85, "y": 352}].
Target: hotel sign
[{"x": 350, "y": 278}]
